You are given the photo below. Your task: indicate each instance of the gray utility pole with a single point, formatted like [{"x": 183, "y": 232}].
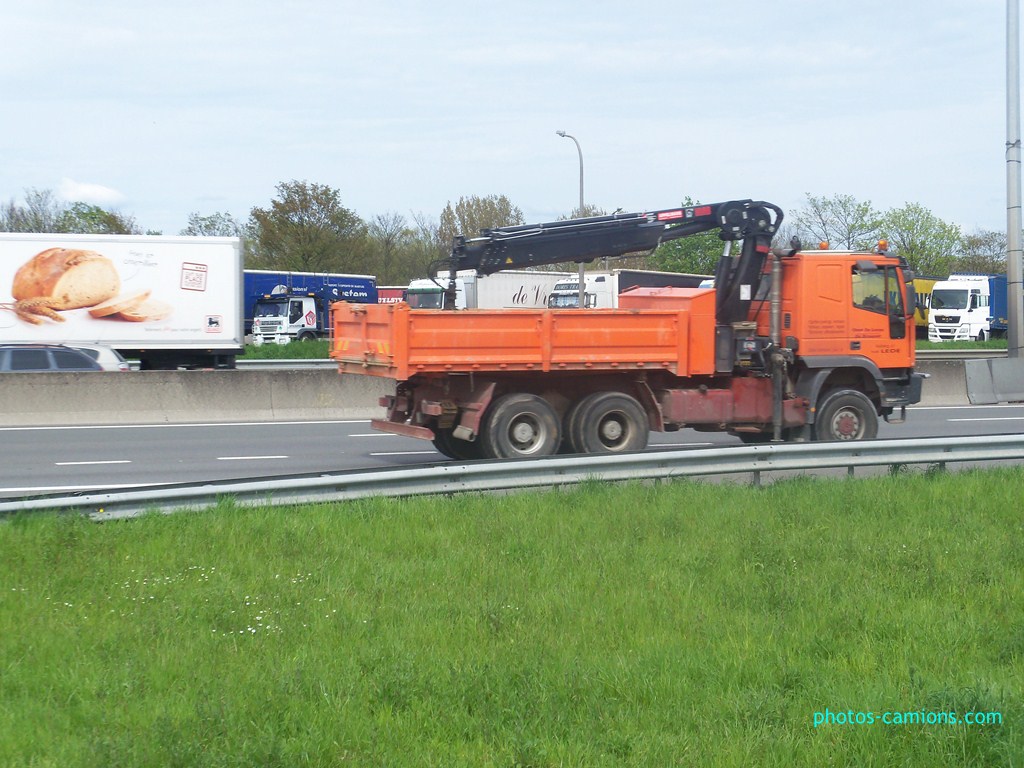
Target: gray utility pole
[
  {"x": 583, "y": 287},
  {"x": 1001, "y": 380},
  {"x": 1014, "y": 267}
]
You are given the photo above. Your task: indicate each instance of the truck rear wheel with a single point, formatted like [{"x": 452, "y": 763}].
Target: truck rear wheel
[
  {"x": 520, "y": 425},
  {"x": 607, "y": 422},
  {"x": 846, "y": 414}
]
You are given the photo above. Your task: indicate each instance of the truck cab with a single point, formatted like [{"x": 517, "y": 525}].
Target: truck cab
[
  {"x": 282, "y": 318},
  {"x": 959, "y": 309}
]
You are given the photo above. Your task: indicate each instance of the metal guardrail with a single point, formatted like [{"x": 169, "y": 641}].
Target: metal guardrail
[{"x": 516, "y": 475}]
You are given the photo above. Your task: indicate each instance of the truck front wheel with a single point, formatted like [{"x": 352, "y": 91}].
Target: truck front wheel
[
  {"x": 607, "y": 422},
  {"x": 520, "y": 425},
  {"x": 846, "y": 414}
]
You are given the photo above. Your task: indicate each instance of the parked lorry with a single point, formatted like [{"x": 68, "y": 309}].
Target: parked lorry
[
  {"x": 960, "y": 308},
  {"x": 511, "y": 289},
  {"x": 923, "y": 285},
  {"x": 998, "y": 307},
  {"x": 789, "y": 345},
  {"x": 391, "y": 294},
  {"x": 168, "y": 302},
  {"x": 295, "y": 306},
  {"x": 602, "y": 289}
]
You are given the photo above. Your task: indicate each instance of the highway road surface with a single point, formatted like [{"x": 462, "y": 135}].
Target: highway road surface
[{"x": 38, "y": 460}]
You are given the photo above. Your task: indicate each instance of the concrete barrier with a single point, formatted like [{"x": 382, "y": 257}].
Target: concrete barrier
[
  {"x": 188, "y": 397},
  {"x": 146, "y": 397}
]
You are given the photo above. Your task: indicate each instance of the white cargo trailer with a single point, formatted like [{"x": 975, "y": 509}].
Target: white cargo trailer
[{"x": 169, "y": 302}]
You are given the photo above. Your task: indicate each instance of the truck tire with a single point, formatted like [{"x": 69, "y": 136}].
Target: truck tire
[
  {"x": 518, "y": 426},
  {"x": 608, "y": 422},
  {"x": 846, "y": 414},
  {"x": 453, "y": 448},
  {"x": 307, "y": 336}
]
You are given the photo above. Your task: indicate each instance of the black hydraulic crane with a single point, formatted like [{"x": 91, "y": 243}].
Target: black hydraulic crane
[{"x": 583, "y": 240}]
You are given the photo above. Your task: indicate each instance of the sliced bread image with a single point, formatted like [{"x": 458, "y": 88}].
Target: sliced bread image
[
  {"x": 70, "y": 278},
  {"x": 147, "y": 312},
  {"x": 123, "y": 303}
]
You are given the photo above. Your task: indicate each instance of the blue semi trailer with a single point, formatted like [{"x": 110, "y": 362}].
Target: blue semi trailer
[{"x": 286, "y": 306}]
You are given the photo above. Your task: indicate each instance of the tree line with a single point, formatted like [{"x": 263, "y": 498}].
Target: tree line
[{"x": 306, "y": 227}]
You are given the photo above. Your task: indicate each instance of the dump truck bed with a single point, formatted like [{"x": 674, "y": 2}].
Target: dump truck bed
[{"x": 661, "y": 331}]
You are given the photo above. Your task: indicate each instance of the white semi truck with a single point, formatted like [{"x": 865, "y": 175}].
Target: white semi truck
[
  {"x": 602, "y": 289},
  {"x": 960, "y": 309},
  {"x": 168, "y": 302}
]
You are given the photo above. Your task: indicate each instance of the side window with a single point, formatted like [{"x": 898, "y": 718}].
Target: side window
[
  {"x": 296, "y": 312},
  {"x": 67, "y": 360},
  {"x": 892, "y": 282},
  {"x": 869, "y": 290},
  {"x": 30, "y": 360}
]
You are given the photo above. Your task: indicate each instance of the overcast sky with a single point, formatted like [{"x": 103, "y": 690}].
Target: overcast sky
[{"x": 187, "y": 106}]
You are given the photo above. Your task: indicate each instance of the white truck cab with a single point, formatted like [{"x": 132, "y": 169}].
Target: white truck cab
[{"x": 959, "y": 309}]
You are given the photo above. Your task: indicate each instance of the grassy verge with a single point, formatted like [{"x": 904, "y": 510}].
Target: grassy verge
[
  {"x": 950, "y": 346},
  {"x": 681, "y": 624},
  {"x": 295, "y": 350}
]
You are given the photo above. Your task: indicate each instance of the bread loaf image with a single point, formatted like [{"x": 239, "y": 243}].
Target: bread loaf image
[
  {"x": 148, "y": 311},
  {"x": 123, "y": 303},
  {"x": 68, "y": 278}
]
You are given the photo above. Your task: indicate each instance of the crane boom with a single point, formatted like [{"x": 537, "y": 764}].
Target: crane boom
[{"x": 584, "y": 240}]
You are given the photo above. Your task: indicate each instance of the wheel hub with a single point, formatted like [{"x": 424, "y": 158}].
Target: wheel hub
[
  {"x": 611, "y": 430},
  {"x": 523, "y": 433},
  {"x": 847, "y": 425}
]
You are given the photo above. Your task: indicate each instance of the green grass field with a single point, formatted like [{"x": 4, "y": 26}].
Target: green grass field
[{"x": 677, "y": 624}]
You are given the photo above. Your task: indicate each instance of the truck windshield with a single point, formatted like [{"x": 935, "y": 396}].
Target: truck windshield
[
  {"x": 949, "y": 298},
  {"x": 556, "y": 302},
  {"x": 271, "y": 309},
  {"x": 429, "y": 300}
]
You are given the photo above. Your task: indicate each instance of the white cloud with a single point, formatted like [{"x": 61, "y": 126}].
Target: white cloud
[{"x": 83, "y": 192}]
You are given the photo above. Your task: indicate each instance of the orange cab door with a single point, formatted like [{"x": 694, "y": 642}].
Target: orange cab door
[{"x": 880, "y": 329}]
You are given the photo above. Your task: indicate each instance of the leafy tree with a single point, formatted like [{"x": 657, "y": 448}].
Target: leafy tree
[
  {"x": 841, "y": 221},
  {"x": 306, "y": 228},
  {"x": 984, "y": 252},
  {"x": 472, "y": 214},
  {"x": 215, "y": 225},
  {"x": 930, "y": 245},
  {"x": 697, "y": 254},
  {"x": 85, "y": 219}
]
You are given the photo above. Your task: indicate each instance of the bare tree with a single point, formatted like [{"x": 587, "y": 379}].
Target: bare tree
[{"x": 388, "y": 233}]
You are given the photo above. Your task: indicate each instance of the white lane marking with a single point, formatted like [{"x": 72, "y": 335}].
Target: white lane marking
[
  {"x": 90, "y": 463},
  {"x": 992, "y": 418},
  {"x": 104, "y": 487},
  {"x": 406, "y": 453},
  {"x": 249, "y": 458},
  {"x": 376, "y": 434},
  {"x": 65, "y": 428},
  {"x": 677, "y": 445}
]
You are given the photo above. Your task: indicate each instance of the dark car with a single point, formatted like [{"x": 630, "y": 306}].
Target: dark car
[{"x": 40, "y": 358}]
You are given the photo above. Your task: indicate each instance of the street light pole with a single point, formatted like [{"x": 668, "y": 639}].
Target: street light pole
[
  {"x": 565, "y": 135},
  {"x": 1014, "y": 269}
]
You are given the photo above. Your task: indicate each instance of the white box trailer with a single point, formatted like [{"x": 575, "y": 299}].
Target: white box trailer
[
  {"x": 167, "y": 301},
  {"x": 511, "y": 289}
]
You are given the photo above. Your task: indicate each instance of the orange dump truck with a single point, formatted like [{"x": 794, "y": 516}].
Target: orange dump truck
[{"x": 813, "y": 345}]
